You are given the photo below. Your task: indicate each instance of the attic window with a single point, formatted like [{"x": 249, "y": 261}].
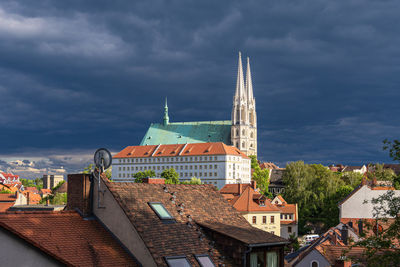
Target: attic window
[
  {"x": 161, "y": 212},
  {"x": 204, "y": 261},
  {"x": 180, "y": 261}
]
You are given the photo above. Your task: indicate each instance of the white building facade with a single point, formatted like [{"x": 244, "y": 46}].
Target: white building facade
[{"x": 213, "y": 163}]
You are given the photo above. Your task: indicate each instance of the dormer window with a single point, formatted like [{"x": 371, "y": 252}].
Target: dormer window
[
  {"x": 262, "y": 203},
  {"x": 161, "y": 212},
  {"x": 180, "y": 261}
]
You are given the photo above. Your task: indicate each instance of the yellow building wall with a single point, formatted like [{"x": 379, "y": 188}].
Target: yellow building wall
[{"x": 274, "y": 228}]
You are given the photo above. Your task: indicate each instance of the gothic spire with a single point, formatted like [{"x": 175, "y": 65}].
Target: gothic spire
[
  {"x": 240, "y": 81},
  {"x": 166, "y": 118},
  {"x": 249, "y": 83}
]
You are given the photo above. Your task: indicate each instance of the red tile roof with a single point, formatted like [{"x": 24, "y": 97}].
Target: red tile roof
[
  {"x": 67, "y": 237},
  {"x": 206, "y": 208},
  {"x": 246, "y": 203},
  {"x": 7, "y": 197},
  {"x": 4, "y": 206},
  {"x": 235, "y": 189},
  {"x": 268, "y": 165},
  {"x": 197, "y": 149}
]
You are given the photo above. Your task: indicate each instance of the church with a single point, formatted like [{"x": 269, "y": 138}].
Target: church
[{"x": 240, "y": 131}]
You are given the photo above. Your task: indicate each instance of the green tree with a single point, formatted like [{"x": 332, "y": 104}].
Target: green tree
[
  {"x": 5, "y": 191},
  {"x": 260, "y": 176},
  {"x": 58, "y": 186},
  {"x": 88, "y": 169},
  {"x": 193, "y": 180},
  {"x": 170, "y": 176},
  {"x": 382, "y": 174},
  {"x": 352, "y": 179},
  {"x": 139, "y": 176},
  {"x": 27, "y": 182}
]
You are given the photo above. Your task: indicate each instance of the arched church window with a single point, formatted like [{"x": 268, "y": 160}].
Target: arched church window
[
  {"x": 243, "y": 132},
  {"x": 251, "y": 134},
  {"x": 237, "y": 145},
  {"x": 237, "y": 132},
  {"x": 251, "y": 145},
  {"x": 243, "y": 145}
]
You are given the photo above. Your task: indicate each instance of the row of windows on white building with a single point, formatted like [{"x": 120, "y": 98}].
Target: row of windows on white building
[{"x": 173, "y": 159}]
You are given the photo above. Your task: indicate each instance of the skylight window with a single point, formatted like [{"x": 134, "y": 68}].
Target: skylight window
[
  {"x": 177, "y": 261},
  {"x": 161, "y": 211},
  {"x": 204, "y": 261}
]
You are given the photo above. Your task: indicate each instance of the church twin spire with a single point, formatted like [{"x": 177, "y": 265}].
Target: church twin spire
[{"x": 244, "y": 93}]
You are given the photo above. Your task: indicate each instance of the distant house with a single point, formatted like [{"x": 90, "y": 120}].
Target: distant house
[
  {"x": 333, "y": 248},
  {"x": 44, "y": 192},
  {"x": 268, "y": 165},
  {"x": 8, "y": 178},
  {"x": 354, "y": 210},
  {"x": 254, "y": 207},
  {"x": 276, "y": 185},
  {"x": 359, "y": 169},
  {"x": 394, "y": 167},
  {"x": 289, "y": 216}
]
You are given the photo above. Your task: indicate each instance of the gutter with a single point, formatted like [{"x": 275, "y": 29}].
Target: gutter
[{"x": 267, "y": 244}]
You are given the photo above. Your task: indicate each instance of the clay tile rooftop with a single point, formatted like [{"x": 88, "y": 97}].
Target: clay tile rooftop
[{"x": 67, "y": 238}]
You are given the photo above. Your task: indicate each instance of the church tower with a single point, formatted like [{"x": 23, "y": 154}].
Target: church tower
[{"x": 244, "y": 118}]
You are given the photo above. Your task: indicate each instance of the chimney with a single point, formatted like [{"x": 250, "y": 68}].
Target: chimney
[
  {"x": 149, "y": 180},
  {"x": 78, "y": 193},
  {"x": 253, "y": 184},
  {"x": 27, "y": 198},
  {"x": 334, "y": 238},
  {"x": 344, "y": 232},
  {"x": 360, "y": 228},
  {"x": 342, "y": 263}
]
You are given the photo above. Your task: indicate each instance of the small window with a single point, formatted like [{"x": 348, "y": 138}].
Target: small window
[
  {"x": 161, "y": 211},
  {"x": 264, "y": 219},
  {"x": 204, "y": 261},
  {"x": 315, "y": 264},
  {"x": 180, "y": 261},
  {"x": 272, "y": 219},
  {"x": 254, "y": 219},
  {"x": 289, "y": 229}
]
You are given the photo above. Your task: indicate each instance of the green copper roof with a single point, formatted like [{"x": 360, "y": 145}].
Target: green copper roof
[{"x": 188, "y": 132}]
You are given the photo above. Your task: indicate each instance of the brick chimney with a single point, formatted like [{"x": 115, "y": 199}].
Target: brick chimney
[
  {"x": 342, "y": 263},
  {"x": 149, "y": 180},
  {"x": 27, "y": 198},
  {"x": 78, "y": 196},
  {"x": 344, "y": 232}
]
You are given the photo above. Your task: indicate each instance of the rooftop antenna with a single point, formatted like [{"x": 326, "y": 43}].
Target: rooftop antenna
[{"x": 102, "y": 161}]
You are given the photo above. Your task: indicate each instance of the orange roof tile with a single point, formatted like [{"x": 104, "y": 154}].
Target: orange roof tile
[
  {"x": 235, "y": 189},
  {"x": 197, "y": 149},
  {"x": 67, "y": 237},
  {"x": 4, "y": 206},
  {"x": 7, "y": 197},
  {"x": 246, "y": 203}
]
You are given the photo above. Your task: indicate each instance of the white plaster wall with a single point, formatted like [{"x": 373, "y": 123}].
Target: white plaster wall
[
  {"x": 17, "y": 252},
  {"x": 354, "y": 207}
]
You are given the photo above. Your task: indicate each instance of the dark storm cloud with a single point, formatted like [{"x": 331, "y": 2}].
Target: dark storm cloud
[{"x": 79, "y": 75}]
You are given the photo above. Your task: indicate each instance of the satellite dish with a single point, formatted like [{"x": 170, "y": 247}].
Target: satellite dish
[{"x": 102, "y": 158}]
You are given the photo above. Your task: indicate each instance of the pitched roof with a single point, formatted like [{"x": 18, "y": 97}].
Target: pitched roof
[
  {"x": 188, "y": 132},
  {"x": 67, "y": 237},
  {"x": 276, "y": 177},
  {"x": 173, "y": 150},
  {"x": 246, "y": 203},
  {"x": 268, "y": 165},
  {"x": 206, "y": 208},
  {"x": 4, "y": 206},
  {"x": 235, "y": 189},
  {"x": 7, "y": 198}
]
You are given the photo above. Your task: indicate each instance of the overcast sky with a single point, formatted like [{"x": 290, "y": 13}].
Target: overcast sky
[{"x": 79, "y": 75}]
